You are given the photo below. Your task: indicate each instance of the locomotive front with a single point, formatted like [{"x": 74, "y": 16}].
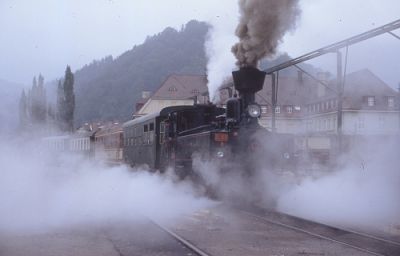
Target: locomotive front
[{"x": 242, "y": 115}]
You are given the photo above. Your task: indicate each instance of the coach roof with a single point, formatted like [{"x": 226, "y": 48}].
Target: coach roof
[{"x": 164, "y": 112}]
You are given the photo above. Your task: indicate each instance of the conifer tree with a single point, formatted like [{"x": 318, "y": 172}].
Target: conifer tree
[
  {"x": 67, "y": 105},
  {"x": 23, "y": 111},
  {"x": 41, "y": 100},
  {"x": 60, "y": 113},
  {"x": 37, "y": 101}
]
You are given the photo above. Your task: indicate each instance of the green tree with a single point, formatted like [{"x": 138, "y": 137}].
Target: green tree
[
  {"x": 23, "y": 111},
  {"x": 41, "y": 100},
  {"x": 60, "y": 113},
  {"x": 37, "y": 101},
  {"x": 68, "y": 104}
]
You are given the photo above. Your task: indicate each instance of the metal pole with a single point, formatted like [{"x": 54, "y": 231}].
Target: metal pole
[
  {"x": 337, "y": 46},
  {"x": 273, "y": 99},
  {"x": 398, "y": 105},
  {"x": 339, "y": 101}
]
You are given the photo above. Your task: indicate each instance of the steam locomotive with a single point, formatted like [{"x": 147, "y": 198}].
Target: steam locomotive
[{"x": 172, "y": 137}]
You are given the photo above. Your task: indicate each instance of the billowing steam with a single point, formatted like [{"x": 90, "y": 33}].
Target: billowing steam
[
  {"x": 220, "y": 61},
  {"x": 262, "y": 25},
  {"x": 363, "y": 193},
  {"x": 41, "y": 191}
]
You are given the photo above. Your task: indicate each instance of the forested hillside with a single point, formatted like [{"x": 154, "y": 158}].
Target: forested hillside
[{"x": 108, "y": 89}]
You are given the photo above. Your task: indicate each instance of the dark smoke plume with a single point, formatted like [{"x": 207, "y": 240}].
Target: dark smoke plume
[{"x": 262, "y": 25}]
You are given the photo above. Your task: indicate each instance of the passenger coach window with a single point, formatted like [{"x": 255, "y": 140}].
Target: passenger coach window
[
  {"x": 151, "y": 133},
  {"x": 145, "y": 135},
  {"x": 162, "y": 132}
]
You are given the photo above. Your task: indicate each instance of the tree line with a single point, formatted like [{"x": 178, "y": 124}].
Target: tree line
[{"x": 35, "y": 111}]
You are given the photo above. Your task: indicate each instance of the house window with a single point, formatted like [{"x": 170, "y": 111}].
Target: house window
[
  {"x": 390, "y": 101},
  {"x": 297, "y": 108},
  {"x": 277, "y": 110},
  {"x": 361, "y": 123},
  {"x": 172, "y": 89},
  {"x": 264, "y": 110},
  {"x": 195, "y": 91},
  {"x": 289, "y": 109},
  {"x": 371, "y": 101},
  {"x": 381, "y": 122}
]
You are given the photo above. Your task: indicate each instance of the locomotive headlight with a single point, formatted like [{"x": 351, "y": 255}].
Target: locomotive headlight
[{"x": 254, "y": 110}]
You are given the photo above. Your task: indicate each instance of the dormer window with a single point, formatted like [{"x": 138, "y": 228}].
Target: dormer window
[
  {"x": 371, "y": 101},
  {"x": 172, "y": 89},
  {"x": 195, "y": 91}
]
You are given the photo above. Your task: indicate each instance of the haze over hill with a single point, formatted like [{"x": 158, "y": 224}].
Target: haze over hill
[
  {"x": 9, "y": 94},
  {"x": 108, "y": 89}
]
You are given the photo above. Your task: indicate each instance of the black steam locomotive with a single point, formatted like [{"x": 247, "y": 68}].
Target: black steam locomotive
[{"x": 173, "y": 136}]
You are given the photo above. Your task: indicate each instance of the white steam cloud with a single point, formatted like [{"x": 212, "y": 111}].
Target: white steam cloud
[
  {"x": 220, "y": 59},
  {"x": 40, "y": 192},
  {"x": 262, "y": 25},
  {"x": 364, "y": 193}
]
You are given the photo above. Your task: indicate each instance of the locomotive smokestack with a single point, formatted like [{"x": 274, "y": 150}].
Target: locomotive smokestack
[{"x": 248, "y": 81}]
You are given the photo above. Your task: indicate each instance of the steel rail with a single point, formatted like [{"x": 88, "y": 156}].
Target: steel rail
[
  {"x": 181, "y": 240},
  {"x": 397, "y": 243},
  {"x": 338, "y": 45},
  {"x": 263, "y": 219},
  {"x": 325, "y": 237}
]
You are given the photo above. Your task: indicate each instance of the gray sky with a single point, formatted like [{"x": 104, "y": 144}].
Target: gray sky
[{"x": 46, "y": 35}]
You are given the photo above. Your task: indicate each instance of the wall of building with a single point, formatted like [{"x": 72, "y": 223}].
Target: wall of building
[
  {"x": 370, "y": 122},
  {"x": 323, "y": 123},
  {"x": 283, "y": 125}
]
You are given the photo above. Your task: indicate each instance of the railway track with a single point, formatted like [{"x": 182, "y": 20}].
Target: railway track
[
  {"x": 366, "y": 243},
  {"x": 170, "y": 244},
  {"x": 184, "y": 242}
]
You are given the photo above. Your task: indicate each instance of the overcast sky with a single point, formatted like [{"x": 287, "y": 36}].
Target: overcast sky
[{"x": 46, "y": 35}]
